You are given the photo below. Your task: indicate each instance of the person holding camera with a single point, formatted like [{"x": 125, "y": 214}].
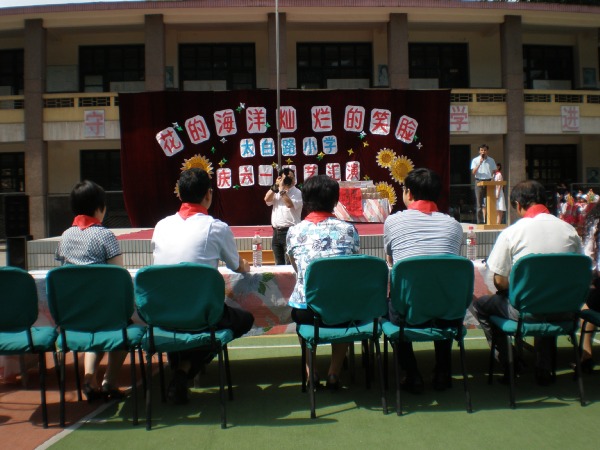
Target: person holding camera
[
  {"x": 483, "y": 168},
  {"x": 286, "y": 200}
]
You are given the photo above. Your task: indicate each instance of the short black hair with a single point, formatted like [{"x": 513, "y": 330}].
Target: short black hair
[
  {"x": 193, "y": 185},
  {"x": 320, "y": 193},
  {"x": 499, "y": 166},
  {"x": 528, "y": 193},
  {"x": 86, "y": 198},
  {"x": 286, "y": 171},
  {"x": 424, "y": 184},
  {"x": 484, "y": 146}
]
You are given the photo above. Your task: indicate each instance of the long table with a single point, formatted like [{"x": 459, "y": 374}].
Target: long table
[{"x": 264, "y": 292}]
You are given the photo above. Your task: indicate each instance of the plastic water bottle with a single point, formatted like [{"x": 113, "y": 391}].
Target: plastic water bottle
[
  {"x": 471, "y": 244},
  {"x": 257, "y": 253}
]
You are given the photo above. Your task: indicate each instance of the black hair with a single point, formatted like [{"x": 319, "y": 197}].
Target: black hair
[
  {"x": 320, "y": 193},
  {"x": 86, "y": 198},
  {"x": 528, "y": 193},
  {"x": 484, "y": 146},
  {"x": 193, "y": 185},
  {"x": 424, "y": 184},
  {"x": 499, "y": 166},
  {"x": 286, "y": 171}
]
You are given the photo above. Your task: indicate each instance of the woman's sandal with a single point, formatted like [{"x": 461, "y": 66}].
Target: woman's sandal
[
  {"x": 91, "y": 394},
  {"x": 111, "y": 393},
  {"x": 333, "y": 382}
]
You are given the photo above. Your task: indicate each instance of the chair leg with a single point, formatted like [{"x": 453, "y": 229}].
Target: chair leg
[
  {"x": 381, "y": 380},
  {"x": 578, "y": 369},
  {"x": 42, "y": 368},
  {"x": 161, "y": 373},
  {"x": 397, "y": 376},
  {"x": 461, "y": 346},
  {"x": 148, "y": 391},
  {"x": 142, "y": 368},
  {"x": 367, "y": 364},
  {"x": 228, "y": 373},
  {"x": 62, "y": 390},
  {"x": 77, "y": 378},
  {"x": 222, "y": 390},
  {"x": 311, "y": 381},
  {"x": 385, "y": 363},
  {"x": 492, "y": 357},
  {"x": 511, "y": 371},
  {"x": 134, "y": 397},
  {"x": 303, "y": 363},
  {"x": 352, "y": 362}
]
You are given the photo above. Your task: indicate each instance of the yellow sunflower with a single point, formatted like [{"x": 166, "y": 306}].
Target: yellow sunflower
[
  {"x": 385, "y": 158},
  {"x": 400, "y": 168},
  {"x": 386, "y": 190},
  {"x": 199, "y": 162}
]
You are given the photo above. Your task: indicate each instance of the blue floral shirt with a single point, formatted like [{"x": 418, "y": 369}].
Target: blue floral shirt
[{"x": 308, "y": 241}]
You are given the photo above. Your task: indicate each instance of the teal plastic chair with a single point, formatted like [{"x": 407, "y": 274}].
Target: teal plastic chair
[
  {"x": 423, "y": 290},
  {"x": 18, "y": 313},
  {"x": 92, "y": 306},
  {"x": 182, "y": 305},
  {"x": 344, "y": 289},
  {"x": 548, "y": 290}
]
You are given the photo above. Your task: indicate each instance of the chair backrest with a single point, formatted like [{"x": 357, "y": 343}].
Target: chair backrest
[
  {"x": 550, "y": 283},
  {"x": 183, "y": 296},
  {"x": 18, "y": 299},
  {"x": 347, "y": 288},
  {"x": 90, "y": 298},
  {"x": 424, "y": 288}
]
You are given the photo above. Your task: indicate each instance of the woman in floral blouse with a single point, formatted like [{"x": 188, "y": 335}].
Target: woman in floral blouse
[{"x": 319, "y": 235}]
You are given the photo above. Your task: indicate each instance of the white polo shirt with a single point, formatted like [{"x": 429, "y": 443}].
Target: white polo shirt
[{"x": 282, "y": 216}]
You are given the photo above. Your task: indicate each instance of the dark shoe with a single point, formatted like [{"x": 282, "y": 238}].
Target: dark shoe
[
  {"x": 442, "y": 381},
  {"x": 112, "y": 393},
  {"x": 333, "y": 382},
  {"x": 91, "y": 394},
  {"x": 413, "y": 384},
  {"x": 177, "y": 392},
  {"x": 587, "y": 366},
  {"x": 543, "y": 377}
]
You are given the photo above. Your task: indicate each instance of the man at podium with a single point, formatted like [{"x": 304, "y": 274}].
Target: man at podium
[{"x": 483, "y": 168}]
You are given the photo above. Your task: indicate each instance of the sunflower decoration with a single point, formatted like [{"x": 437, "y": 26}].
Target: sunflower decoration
[
  {"x": 197, "y": 162},
  {"x": 400, "y": 168},
  {"x": 386, "y": 190},
  {"x": 385, "y": 158}
]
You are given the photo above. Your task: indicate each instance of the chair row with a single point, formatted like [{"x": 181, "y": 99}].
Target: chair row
[{"x": 181, "y": 304}]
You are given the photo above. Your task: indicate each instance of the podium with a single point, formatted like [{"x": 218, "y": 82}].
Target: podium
[{"x": 490, "y": 205}]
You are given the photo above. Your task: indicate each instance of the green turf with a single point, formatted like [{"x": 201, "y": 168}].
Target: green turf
[{"x": 269, "y": 411}]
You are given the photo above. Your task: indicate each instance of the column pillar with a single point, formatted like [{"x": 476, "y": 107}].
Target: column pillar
[
  {"x": 398, "y": 51},
  {"x": 36, "y": 151},
  {"x": 283, "y": 63},
  {"x": 154, "y": 49},
  {"x": 511, "y": 47}
]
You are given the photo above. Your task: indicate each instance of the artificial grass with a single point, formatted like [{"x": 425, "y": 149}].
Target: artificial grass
[{"x": 269, "y": 410}]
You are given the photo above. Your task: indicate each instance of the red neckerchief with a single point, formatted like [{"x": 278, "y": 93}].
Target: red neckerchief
[
  {"x": 425, "y": 206},
  {"x": 188, "y": 210},
  {"x": 82, "y": 221},
  {"x": 534, "y": 210},
  {"x": 318, "y": 216}
]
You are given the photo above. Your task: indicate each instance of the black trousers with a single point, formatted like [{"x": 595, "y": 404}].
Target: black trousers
[
  {"x": 279, "y": 247},
  {"x": 236, "y": 319}
]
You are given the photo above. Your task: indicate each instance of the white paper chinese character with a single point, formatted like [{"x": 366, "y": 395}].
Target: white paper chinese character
[
  {"x": 197, "y": 130},
  {"x": 381, "y": 122},
  {"x": 354, "y": 118},
  {"x": 225, "y": 122},
  {"x": 288, "y": 121},
  {"x": 223, "y": 178},
  {"x": 265, "y": 175},
  {"x": 352, "y": 171},
  {"x": 246, "y": 175},
  {"x": 169, "y": 141},
  {"x": 321, "y": 118}
]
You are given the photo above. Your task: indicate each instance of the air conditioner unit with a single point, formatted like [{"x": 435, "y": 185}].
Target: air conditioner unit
[{"x": 205, "y": 85}]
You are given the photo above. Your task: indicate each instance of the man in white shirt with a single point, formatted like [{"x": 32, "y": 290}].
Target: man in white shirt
[
  {"x": 192, "y": 235},
  {"x": 286, "y": 200},
  {"x": 537, "y": 231},
  {"x": 483, "y": 168}
]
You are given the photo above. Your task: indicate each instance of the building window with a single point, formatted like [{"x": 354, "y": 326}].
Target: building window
[
  {"x": 12, "y": 172},
  {"x": 217, "y": 66},
  {"x": 317, "y": 63},
  {"x": 99, "y": 66},
  {"x": 551, "y": 164},
  {"x": 446, "y": 63},
  {"x": 11, "y": 72},
  {"x": 548, "y": 67},
  {"x": 102, "y": 167}
]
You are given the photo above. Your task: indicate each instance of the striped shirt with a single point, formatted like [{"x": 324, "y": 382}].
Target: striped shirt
[{"x": 413, "y": 233}]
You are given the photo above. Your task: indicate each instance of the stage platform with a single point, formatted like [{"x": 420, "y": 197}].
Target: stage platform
[{"x": 137, "y": 251}]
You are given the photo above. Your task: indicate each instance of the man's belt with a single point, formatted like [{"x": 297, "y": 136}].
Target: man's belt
[
  {"x": 281, "y": 229},
  {"x": 483, "y": 179}
]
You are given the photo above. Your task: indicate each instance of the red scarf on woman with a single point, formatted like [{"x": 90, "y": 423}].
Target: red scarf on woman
[
  {"x": 318, "y": 216},
  {"x": 534, "y": 210},
  {"x": 188, "y": 210},
  {"x": 82, "y": 221},
  {"x": 425, "y": 206}
]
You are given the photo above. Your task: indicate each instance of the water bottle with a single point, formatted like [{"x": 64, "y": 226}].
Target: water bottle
[
  {"x": 471, "y": 244},
  {"x": 257, "y": 250}
]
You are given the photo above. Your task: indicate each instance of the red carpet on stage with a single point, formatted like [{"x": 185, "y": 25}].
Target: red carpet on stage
[{"x": 364, "y": 229}]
